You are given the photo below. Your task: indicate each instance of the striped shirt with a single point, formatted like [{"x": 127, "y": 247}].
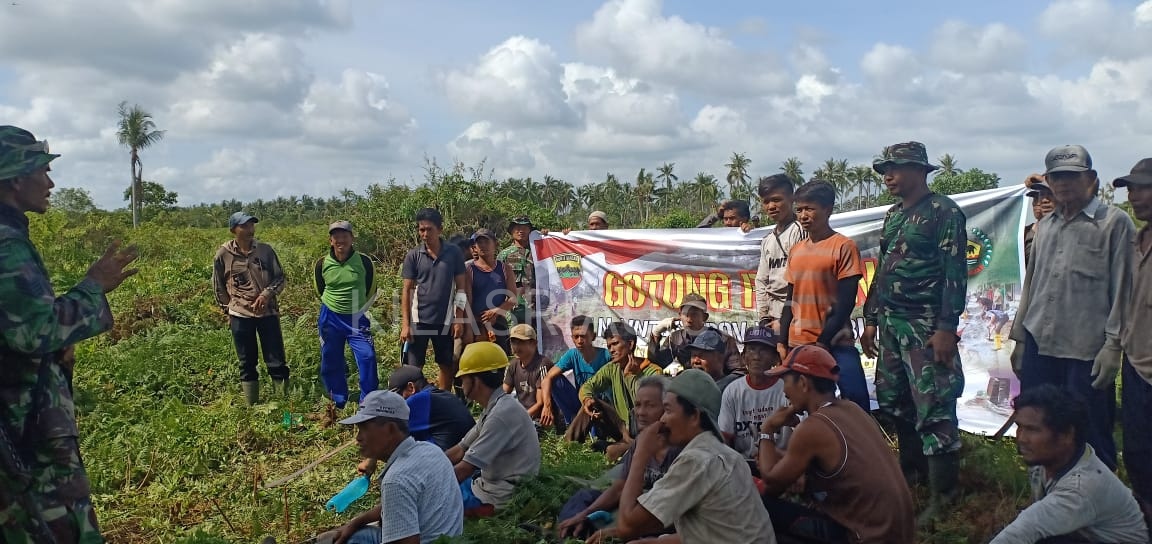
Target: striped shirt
[
  {"x": 419, "y": 494},
  {"x": 813, "y": 270}
]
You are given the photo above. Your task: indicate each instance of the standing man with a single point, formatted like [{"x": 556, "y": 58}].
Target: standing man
[
  {"x": 434, "y": 292},
  {"x": 771, "y": 286},
  {"x": 915, "y": 301},
  {"x": 519, "y": 257},
  {"x": 346, "y": 283},
  {"x": 247, "y": 278},
  {"x": 44, "y": 490},
  {"x": 823, "y": 278},
  {"x": 1136, "y": 393},
  {"x": 1042, "y": 205},
  {"x": 1085, "y": 271}
]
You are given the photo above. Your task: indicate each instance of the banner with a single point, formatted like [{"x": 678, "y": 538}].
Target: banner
[{"x": 640, "y": 277}]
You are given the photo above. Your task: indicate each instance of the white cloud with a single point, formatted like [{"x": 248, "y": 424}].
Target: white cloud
[
  {"x": 517, "y": 82},
  {"x": 1095, "y": 28},
  {"x": 966, "y": 49}
]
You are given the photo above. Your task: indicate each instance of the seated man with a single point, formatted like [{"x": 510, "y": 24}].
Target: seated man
[
  {"x": 583, "y": 361},
  {"x": 616, "y": 381},
  {"x": 526, "y": 370},
  {"x": 708, "y": 352},
  {"x": 434, "y": 416},
  {"x": 694, "y": 320},
  {"x": 503, "y": 447},
  {"x": 419, "y": 496},
  {"x": 747, "y": 403},
  {"x": 649, "y": 408},
  {"x": 707, "y": 493},
  {"x": 1077, "y": 498},
  {"x": 849, "y": 469}
]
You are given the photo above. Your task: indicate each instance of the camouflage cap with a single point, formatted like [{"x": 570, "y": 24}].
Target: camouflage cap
[
  {"x": 21, "y": 153},
  {"x": 904, "y": 153}
]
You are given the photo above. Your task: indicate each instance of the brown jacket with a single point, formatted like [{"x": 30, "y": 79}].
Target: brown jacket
[{"x": 238, "y": 279}]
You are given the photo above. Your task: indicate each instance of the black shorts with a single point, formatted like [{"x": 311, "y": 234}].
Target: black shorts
[{"x": 442, "y": 342}]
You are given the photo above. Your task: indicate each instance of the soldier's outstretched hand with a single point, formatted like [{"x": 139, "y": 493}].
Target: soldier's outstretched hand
[{"x": 109, "y": 270}]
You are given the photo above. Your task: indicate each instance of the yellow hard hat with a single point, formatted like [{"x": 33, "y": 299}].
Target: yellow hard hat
[{"x": 482, "y": 357}]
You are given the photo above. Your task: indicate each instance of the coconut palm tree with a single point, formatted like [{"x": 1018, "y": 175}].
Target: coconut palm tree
[
  {"x": 645, "y": 189},
  {"x": 136, "y": 131},
  {"x": 791, "y": 167},
  {"x": 948, "y": 166},
  {"x": 665, "y": 175},
  {"x": 704, "y": 192},
  {"x": 737, "y": 173}
]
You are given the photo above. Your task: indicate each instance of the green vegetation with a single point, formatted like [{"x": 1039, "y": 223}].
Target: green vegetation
[{"x": 174, "y": 454}]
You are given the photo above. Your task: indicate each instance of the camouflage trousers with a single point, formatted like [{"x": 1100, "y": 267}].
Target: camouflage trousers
[
  {"x": 60, "y": 490},
  {"x": 912, "y": 388}
]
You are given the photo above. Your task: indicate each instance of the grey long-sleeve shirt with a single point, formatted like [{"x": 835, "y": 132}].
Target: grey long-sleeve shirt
[
  {"x": 1078, "y": 282},
  {"x": 1086, "y": 500}
]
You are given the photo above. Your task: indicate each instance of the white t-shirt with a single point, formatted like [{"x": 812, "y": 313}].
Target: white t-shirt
[
  {"x": 743, "y": 409},
  {"x": 771, "y": 286}
]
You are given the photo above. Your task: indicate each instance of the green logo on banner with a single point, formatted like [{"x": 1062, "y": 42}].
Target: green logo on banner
[{"x": 979, "y": 252}]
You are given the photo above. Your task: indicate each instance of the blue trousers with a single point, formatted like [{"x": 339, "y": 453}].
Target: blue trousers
[
  {"x": 366, "y": 535},
  {"x": 336, "y": 330},
  {"x": 853, "y": 385},
  {"x": 1075, "y": 376}
]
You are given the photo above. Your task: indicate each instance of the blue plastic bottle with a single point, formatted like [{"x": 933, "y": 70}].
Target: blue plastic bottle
[
  {"x": 350, "y": 494},
  {"x": 600, "y": 518}
]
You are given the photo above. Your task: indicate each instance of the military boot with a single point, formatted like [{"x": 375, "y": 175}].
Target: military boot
[
  {"x": 251, "y": 392},
  {"x": 913, "y": 462},
  {"x": 943, "y": 472},
  {"x": 280, "y": 388}
]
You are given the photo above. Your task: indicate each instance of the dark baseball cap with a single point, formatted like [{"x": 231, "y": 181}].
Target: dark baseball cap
[
  {"x": 1141, "y": 175},
  {"x": 809, "y": 360},
  {"x": 403, "y": 375},
  {"x": 1067, "y": 158},
  {"x": 340, "y": 225},
  {"x": 239, "y": 218},
  {"x": 483, "y": 233},
  {"x": 709, "y": 340},
  {"x": 694, "y": 300},
  {"x": 761, "y": 335},
  {"x": 1036, "y": 188}
]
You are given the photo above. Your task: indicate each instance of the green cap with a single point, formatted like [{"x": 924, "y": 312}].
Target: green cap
[
  {"x": 700, "y": 390},
  {"x": 21, "y": 153},
  {"x": 905, "y": 153}
]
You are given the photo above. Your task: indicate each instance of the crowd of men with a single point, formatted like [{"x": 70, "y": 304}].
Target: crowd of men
[{"x": 772, "y": 440}]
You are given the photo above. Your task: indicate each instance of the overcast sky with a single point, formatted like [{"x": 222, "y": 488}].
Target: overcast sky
[{"x": 266, "y": 98}]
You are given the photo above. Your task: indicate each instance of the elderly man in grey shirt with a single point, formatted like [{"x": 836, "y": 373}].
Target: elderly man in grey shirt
[{"x": 1067, "y": 329}]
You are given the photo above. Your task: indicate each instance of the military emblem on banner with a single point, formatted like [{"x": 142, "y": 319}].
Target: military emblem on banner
[
  {"x": 979, "y": 252},
  {"x": 568, "y": 269}
]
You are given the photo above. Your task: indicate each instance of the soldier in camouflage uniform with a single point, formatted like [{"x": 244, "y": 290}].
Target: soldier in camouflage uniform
[
  {"x": 915, "y": 302},
  {"x": 44, "y": 491},
  {"x": 519, "y": 257}
]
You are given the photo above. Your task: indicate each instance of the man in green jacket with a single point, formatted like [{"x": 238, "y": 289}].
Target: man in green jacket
[
  {"x": 44, "y": 490},
  {"x": 346, "y": 283}
]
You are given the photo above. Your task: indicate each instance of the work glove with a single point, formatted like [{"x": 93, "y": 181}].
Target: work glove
[
  {"x": 673, "y": 369},
  {"x": 1105, "y": 367},
  {"x": 663, "y": 326},
  {"x": 1017, "y": 358}
]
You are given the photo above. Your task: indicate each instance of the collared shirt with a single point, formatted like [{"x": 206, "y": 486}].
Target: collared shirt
[
  {"x": 239, "y": 278},
  {"x": 435, "y": 281},
  {"x": 504, "y": 446},
  {"x": 1086, "y": 500},
  {"x": 346, "y": 287},
  {"x": 771, "y": 285},
  {"x": 419, "y": 494},
  {"x": 1077, "y": 283},
  {"x": 1135, "y": 340}
]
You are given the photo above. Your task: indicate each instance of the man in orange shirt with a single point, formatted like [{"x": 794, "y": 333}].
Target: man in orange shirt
[{"x": 823, "y": 274}]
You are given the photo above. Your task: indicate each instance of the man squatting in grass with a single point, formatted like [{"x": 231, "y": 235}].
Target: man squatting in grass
[
  {"x": 583, "y": 361},
  {"x": 823, "y": 276},
  {"x": 573, "y": 518},
  {"x": 915, "y": 302},
  {"x": 44, "y": 489},
  {"x": 247, "y": 278},
  {"x": 419, "y": 497},
  {"x": 433, "y": 298},
  {"x": 345, "y": 280}
]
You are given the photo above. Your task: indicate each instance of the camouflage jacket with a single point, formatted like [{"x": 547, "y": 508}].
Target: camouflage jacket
[
  {"x": 35, "y": 327},
  {"x": 923, "y": 271},
  {"x": 520, "y": 259}
]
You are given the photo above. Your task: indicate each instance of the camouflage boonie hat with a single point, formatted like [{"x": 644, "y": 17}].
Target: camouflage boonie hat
[
  {"x": 21, "y": 153},
  {"x": 905, "y": 153}
]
